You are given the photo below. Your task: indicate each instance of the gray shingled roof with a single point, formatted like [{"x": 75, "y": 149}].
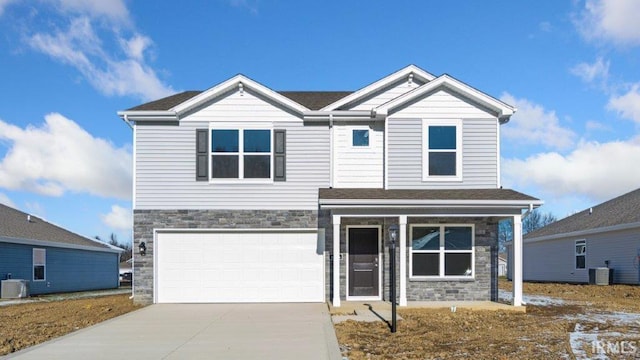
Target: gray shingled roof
[
  {"x": 14, "y": 224},
  {"x": 624, "y": 209},
  {"x": 454, "y": 194},
  {"x": 313, "y": 100}
]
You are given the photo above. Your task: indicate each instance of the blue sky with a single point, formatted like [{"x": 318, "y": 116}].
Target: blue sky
[{"x": 572, "y": 68}]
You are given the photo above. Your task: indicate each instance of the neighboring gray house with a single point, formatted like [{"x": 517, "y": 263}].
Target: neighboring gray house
[
  {"x": 606, "y": 235},
  {"x": 52, "y": 259},
  {"x": 246, "y": 194}
]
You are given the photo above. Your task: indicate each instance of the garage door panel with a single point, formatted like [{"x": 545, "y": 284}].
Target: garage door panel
[{"x": 239, "y": 267}]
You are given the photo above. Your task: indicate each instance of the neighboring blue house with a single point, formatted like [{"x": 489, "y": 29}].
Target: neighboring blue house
[{"x": 51, "y": 258}]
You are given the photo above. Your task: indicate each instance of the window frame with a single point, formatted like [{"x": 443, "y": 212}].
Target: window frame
[
  {"x": 241, "y": 156},
  {"x": 442, "y": 253},
  {"x": 583, "y": 254},
  {"x": 426, "y": 124},
  {"x": 360, "y": 128},
  {"x": 43, "y": 264}
]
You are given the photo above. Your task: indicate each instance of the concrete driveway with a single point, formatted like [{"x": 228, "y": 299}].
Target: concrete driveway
[{"x": 201, "y": 331}]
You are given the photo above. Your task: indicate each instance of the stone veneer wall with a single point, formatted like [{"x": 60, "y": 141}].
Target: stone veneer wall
[
  {"x": 482, "y": 287},
  {"x": 145, "y": 221}
]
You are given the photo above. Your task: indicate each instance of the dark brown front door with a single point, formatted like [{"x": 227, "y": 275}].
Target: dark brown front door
[{"x": 363, "y": 262}]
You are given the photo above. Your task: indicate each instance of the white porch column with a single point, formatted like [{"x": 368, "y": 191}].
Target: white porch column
[
  {"x": 402, "y": 224},
  {"x": 336, "y": 260},
  {"x": 517, "y": 260}
]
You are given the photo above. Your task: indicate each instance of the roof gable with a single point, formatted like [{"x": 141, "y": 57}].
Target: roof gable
[
  {"x": 412, "y": 71},
  {"x": 237, "y": 83},
  {"x": 495, "y": 106},
  {"x": 621, "y": 210}
]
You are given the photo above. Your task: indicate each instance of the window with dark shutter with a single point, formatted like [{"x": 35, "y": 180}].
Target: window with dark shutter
[
  {"x": 279, "y": 155},
  {"x": 202, "y": 155}
]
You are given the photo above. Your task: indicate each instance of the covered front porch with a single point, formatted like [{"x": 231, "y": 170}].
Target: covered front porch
[{"x": 447, "y": 243}]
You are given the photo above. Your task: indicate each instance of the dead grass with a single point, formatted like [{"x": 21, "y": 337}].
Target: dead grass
[
  {"x": 542, "y": 333},
  {"x": 29, "y": 324}
]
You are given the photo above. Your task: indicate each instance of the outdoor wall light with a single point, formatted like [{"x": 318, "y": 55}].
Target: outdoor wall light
[
  {"x": 143, "y": 248},
  {"x": 393, "y": 233}
]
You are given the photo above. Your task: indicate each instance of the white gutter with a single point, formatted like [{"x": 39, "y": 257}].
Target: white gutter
[
  {"x": 351, "y": 115},
  {"x": 152, "y": 115}
]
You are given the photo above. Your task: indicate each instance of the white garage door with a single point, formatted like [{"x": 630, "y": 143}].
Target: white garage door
[{"x": 239, "y": 267}]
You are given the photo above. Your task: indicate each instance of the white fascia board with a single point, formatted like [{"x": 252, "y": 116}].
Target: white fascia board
[
  {"x": 337, "y": 203},
  {"x": 32, "y": 242},
  {"x": 580, "y": 233},
  {"x": 229, "y": 85},
  {"x": 149, "y": 115},
  {"x": 365, "y": 91},
  {"x": 503, "y": 110}
]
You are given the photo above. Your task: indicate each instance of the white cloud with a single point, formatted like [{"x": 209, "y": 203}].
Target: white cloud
[
  {"x": 4, "y": 199},
  {"x": 532, "y": 124},
  {"x": 596, "y": 170},
  {"x": 115, "y": 10},
  {"x": 610, "y": 20},
  {"x": 627, "y": 105},
  {"x": 251, "y": 5},
  {"x": 599, "y": 70},
  {"x": 592, "y": 125},
  {"x": 118, "y": 219},
  {"x": 80, "y": 47},
  {"x": 545, "y": 26},
  {"x": 4, "y": 4},
  {"x": 60, "y": 156}
]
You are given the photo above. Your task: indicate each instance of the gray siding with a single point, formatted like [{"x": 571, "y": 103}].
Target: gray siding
[
  {"x": 554, "y": 260},
  {"x": 479, "y": 157},
  {"x": 165, "y": 161}
]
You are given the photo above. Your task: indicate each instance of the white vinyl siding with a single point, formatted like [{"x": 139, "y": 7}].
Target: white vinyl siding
[
  {"x": 479, "y": 143},
  {"x": 358, "y": 166},
  {"x": 165, "y": 161},
  {"x": 479, "y": 156},
  {"x": 391, "y": 92},
  {"x": 554, "y": 260}
]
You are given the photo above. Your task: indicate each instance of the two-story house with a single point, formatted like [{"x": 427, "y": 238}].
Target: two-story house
[{"x": 246, "y": 194}]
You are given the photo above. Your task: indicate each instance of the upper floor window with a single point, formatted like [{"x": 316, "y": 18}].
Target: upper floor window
[
  {"x": 581, "y": 254},
  {"x": 442, "y": 150},
  {"x": 360, "y": 137},
  {"x": 241, "y": 154},
  {"x": 440, "y": 251}
]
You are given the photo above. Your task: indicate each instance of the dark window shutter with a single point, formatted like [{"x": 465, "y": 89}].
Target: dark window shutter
[
  {"x": 202, "y": 155},
  {"x": 279, "y": 155}
]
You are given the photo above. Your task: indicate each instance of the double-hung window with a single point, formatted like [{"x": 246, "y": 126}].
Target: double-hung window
[
  {"x": 39, "y": 264},
  {"x": 442, "y": 251},
  {"x": 581, "y": 254},
  {"x": 442, "y": 150},
  {"x": 241, "y": 154}
]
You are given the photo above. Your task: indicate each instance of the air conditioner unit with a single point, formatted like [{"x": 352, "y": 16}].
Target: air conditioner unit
[
  {"x": 14, "y": 289},
  {"x": 600, "y": 276}
]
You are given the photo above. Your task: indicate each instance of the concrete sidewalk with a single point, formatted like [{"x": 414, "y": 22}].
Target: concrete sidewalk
[{"x": 201, "y": 331}]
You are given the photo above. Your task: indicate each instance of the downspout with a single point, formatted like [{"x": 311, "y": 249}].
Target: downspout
[
  {"x": 126, "y": 120},
  {"x": 528, "y": 212},
  {"x": 331, "y": 151}
]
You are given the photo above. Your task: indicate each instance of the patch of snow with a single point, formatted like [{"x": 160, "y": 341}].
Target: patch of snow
[
  {"x": 538, "y": 300},
  {"x": 614, "y": 318}
]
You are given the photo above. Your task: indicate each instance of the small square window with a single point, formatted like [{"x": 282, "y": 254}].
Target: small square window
[{"x": 360, "y": 138}]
